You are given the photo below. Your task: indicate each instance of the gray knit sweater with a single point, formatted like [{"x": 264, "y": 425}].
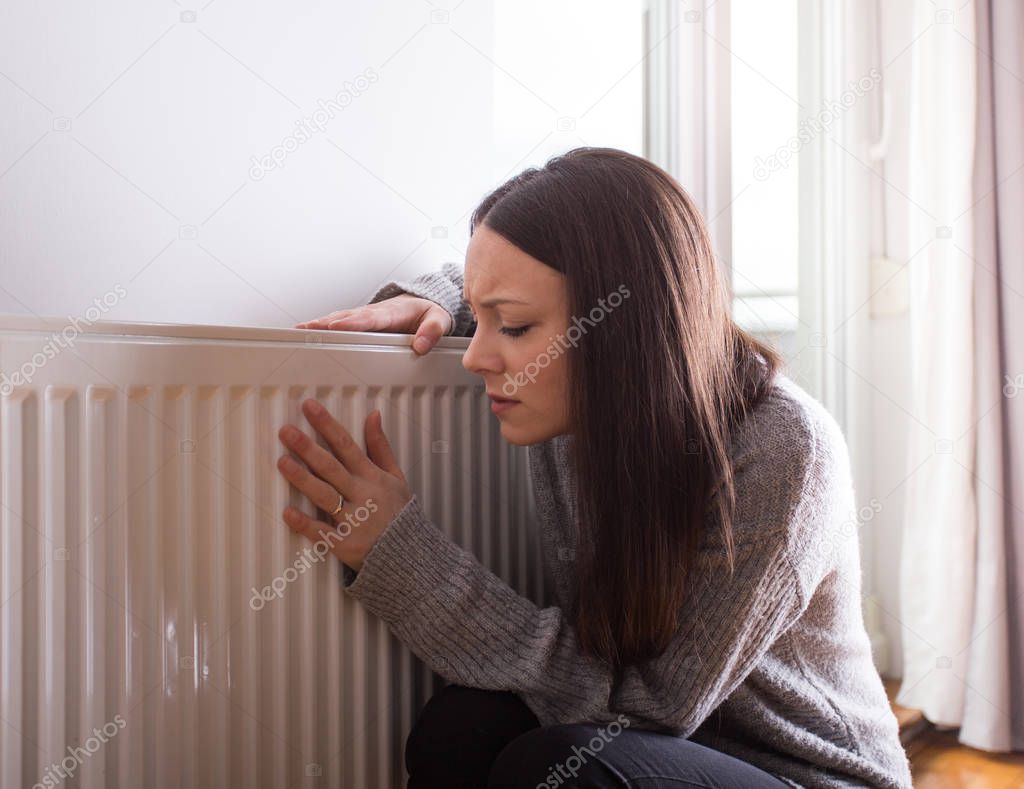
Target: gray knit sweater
[{"x": 772, "y": 666}]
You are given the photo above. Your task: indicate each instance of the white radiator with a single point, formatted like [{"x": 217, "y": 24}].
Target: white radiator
[{"x": 141, "y": 505}]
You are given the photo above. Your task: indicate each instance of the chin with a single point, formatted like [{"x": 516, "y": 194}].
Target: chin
[
  {"x": 525, "y": 436},
  {"x": 514, "y": 436}
]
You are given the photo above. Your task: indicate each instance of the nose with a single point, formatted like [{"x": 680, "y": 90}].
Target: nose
[{"x": 481, "y": 359}]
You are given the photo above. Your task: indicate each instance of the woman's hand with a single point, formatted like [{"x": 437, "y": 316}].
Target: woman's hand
[
  {"x": 374, "y": 487},
  {"x": 404, "y": 314}
]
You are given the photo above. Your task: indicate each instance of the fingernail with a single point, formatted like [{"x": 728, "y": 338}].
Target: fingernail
[
  {"x": 421, "y": 344},
  {"x": 315, "y": 407}
]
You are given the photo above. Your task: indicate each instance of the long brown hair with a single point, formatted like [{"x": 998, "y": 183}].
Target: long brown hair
[{"x": 657, "y": 386}]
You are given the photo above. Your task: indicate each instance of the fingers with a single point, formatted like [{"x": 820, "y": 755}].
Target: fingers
[
  {"x": 323, "y": 463},
  {"x": 342, "y": 320},
  {"x": 404, "y": 313},
  {"x": 314, "y": 530},
  {"x": 435, "y": 323},
  {"x": 321, "y": 493},
  {"x": 338, "y": 438},
  {"x": 368, "y": 318},
  {"x": 396, "y": 314},
  {"x": 362, "y": 319},
  {"x": 379, "y": 448},
  {"x": 319, "y": 323}
]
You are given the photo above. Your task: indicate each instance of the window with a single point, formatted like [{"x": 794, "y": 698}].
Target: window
[
  {"x": 742, "y": 107},
  {"x": 764, "y": 109}
]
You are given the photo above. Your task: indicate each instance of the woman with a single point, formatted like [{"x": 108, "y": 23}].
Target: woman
[{"x": 696, "y": 507}]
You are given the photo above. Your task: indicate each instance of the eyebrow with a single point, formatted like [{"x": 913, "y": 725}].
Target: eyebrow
[{"x": 495, "y": 302}]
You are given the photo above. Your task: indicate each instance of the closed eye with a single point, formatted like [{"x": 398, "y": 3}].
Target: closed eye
[{"x": 509, "y": 331}]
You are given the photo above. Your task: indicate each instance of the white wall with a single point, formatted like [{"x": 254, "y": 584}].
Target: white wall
[{"x": 126, "y": 152}]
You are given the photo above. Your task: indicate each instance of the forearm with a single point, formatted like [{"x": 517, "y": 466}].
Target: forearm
[{"x": 473, "y": 629}]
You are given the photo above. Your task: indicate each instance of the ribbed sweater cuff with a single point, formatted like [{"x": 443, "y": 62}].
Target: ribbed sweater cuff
[{"x": 410, "y": 559}]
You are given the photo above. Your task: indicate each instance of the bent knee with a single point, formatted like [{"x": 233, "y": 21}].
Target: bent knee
[
  {"x": 564, "y": 754},
  {"x": 460, "y": 730}
]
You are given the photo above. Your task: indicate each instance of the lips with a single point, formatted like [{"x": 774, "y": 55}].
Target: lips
[
  {"x": 496, "y": 399},
  {"x": 500, "y": 405}
]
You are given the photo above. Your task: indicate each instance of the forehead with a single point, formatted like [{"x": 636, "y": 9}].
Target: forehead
[
  {"x": 493, "y": 262},
  {"x": 489, "y": 254}
]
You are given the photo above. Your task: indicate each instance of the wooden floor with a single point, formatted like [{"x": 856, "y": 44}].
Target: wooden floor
[{"x": 938, "y": 761}]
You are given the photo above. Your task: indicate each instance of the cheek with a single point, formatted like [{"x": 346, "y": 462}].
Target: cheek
[{"x": 543, "y": 366}]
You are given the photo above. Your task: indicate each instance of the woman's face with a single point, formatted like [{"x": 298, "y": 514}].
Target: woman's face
[{"x": 520, "y": 308}]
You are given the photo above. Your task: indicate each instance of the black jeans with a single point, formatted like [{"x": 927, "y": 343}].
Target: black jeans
[{"x": 468, "y": 738}]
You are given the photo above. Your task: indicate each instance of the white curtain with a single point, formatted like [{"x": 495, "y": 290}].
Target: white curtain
[
  {"x": 994, "y": 714},
  {"x": 952, "y": 580},
  {"x": 938, "y": 552}
]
